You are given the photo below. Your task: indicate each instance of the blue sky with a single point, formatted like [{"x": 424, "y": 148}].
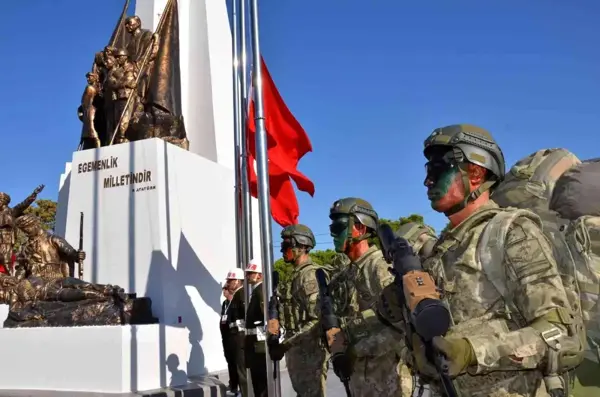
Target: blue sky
[{"x": 367, "y": 79}]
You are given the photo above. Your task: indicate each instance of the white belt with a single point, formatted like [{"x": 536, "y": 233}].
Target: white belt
[
  {"x": 239, "y": 324},
  {"x": 258, "y": 331}
]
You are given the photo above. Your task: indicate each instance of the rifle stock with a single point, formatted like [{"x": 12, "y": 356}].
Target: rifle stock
[
  {"x": 332, "y": 334},
  {"x": 426, "y": 315}
]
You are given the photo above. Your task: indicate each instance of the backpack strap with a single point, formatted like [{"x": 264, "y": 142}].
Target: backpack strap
[{"x": 490, "y": 249}]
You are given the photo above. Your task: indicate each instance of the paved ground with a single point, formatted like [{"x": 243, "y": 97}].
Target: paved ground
[{"x": 334, "y": 386}]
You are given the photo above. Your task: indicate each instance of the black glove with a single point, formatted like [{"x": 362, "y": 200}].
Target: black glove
[
  {"x": 342, "y": 365},
  {"x": 276, "y": 351}
]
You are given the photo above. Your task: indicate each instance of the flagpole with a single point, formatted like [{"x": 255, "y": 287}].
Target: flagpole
[
  {"x": 237, "y": 114},
  {"x": 266, "y": 241},
  {"x": 246, "y": 199}
]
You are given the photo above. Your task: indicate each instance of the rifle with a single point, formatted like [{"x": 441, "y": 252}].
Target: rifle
[
  {"x": 81, "y": 245},
  {"x": 274, "y": 327},
  {"x": 425, "y": 313},
  {"x": 273, "y": 324},
  {"x": 332, "y": 334}
]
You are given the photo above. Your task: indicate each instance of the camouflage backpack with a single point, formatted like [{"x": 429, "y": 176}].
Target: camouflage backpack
[
  {"x": 422, "y": 238},
  {"x": 545, "y": 183}
]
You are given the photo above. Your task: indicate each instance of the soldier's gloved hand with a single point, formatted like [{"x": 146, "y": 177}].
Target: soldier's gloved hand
[
  {"x": 80, "y": 256},
  {"x": 458, "y": 352},
  {"x": 342, "y": 365},
  {"x": 276, "y": 351},
  {"x": 388, "y": 304}
]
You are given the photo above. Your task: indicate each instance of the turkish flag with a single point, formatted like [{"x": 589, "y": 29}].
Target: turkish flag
[{"x": 287, "y": 143}]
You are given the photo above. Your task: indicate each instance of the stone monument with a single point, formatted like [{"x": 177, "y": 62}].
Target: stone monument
[{"x": 154, "y": 178}]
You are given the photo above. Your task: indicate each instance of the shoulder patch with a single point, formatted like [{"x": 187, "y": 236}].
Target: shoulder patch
[
  {"x": 527, "y": 250},
  {"x": 311, "y": 287}
]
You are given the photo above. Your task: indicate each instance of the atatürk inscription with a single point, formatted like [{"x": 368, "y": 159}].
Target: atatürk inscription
[
  {"x": 98, "y": 165},
  {"x": 128, "y": 179}
]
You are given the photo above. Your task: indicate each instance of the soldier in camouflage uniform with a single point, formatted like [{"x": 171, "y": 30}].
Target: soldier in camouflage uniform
[
  {"x": 306, "y": 357},
  {"x": 378, "y": 368},
  {"x": 518, "y": 342}
]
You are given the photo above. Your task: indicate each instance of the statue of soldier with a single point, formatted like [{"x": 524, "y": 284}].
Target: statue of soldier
[
  {"x": 139, "y": 42},
  {"x": 139, "y": 39},
  {"x": 89, "y": 135},
  {"x": 121, "y": 83},
  {"x": 378, "y": 369},
  {"x": 7, "y": 223},
  {"x": 306, "y": 357},
  {"x": 46, "y": 255},
  {"x": 520, "y": 340}
]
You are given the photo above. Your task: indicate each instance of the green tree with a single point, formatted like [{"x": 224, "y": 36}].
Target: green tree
[
  {"x": 319, "y": 257},
  {"x": 45, "y": 210},
  {"x": 395, "y": 224},
  {"x": 446, "y": 228}
]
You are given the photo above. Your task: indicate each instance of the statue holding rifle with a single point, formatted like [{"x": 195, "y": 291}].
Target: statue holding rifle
[{"x": 139, "y": 83}]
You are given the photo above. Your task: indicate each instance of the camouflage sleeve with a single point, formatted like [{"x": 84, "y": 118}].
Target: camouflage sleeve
[
  {"x": 538, "y": 295},
  {"x": 380, "y": 276},
  {"x": 368, "y": 334}
]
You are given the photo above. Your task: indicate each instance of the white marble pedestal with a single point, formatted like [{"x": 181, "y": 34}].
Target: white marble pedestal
[{"x": 159, "y": 222}]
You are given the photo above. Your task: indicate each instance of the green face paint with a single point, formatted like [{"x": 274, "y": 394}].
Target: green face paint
[
  {"x": 339, "y": 241},
  {"x": 339, "y": 232},
  {"x": 442, "y": 185}
]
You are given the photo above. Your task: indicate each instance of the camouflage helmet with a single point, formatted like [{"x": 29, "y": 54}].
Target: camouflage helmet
[
  {"x": 474, "y": 145},
  {"x": 360, "y": 208},
  {"x": 301, "y": 234}
]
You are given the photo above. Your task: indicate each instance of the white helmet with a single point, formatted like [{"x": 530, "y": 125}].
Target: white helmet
[
  {"x": 235, "y": 274},
  {"x": 254, "y": 266}
]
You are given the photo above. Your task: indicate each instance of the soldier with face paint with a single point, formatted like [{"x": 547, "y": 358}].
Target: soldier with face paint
[
  {"x": 377, "y": 349},
  {"x": 306, "y": 357},
  {"x": 514, "y": 333}
]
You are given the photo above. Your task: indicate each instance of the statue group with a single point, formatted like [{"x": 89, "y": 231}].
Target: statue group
[
  {"x": 40, "y": 287},
  {"x": 133, "y": 91}
]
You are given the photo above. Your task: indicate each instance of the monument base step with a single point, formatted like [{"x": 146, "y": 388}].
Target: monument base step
[
  {"x": 96, "y": 359},
  {"x": 198, "y": 387}
]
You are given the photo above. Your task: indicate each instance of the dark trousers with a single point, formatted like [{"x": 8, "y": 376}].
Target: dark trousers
[
  {"x": 258, "y": 368},
  {"x": 230, "y": 353},
  {"x": 258, "y": 371},
  {"x": 240, "y": 363}
]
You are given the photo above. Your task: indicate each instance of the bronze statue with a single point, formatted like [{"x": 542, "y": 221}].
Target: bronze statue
[
  {"x": 89, "y": 135},
  {"x": 7, "y": 223},
  {"x": 43, "y": 294},
  {"x": 35, "y": 302},
  {"x": 45, "y": 255},
  {"x": 122, "y": 85},
  {"x": 139, "y": 83},
  {"x": 139, "y": 40}
]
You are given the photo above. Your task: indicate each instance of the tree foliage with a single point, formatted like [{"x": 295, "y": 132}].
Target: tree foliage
[
  {"x": 395, "y": 224},
  {"x": 446, "y": 228},
  {"x": 45, "y": 210},
  {"x": 319, "y": 257}
]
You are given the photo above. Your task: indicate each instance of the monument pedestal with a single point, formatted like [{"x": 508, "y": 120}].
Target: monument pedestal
[{"x": 159, "y": 222}]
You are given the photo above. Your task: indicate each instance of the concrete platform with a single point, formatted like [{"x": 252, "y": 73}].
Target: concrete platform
[{"x": 198, "y": 387}]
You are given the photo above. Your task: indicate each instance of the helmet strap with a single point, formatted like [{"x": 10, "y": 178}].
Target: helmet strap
[
  {"x": 354, "y": 240},
  {"x": 469, "y": 195}
]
